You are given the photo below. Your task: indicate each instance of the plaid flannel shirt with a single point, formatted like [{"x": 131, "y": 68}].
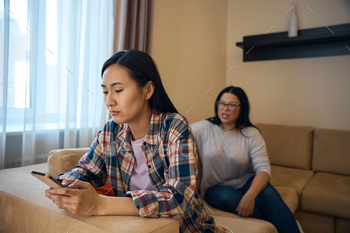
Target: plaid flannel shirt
[{"x": 171, "y": 159}]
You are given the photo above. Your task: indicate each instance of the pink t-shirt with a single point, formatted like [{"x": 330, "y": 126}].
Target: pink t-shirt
[{"x": 139, "y": 178}]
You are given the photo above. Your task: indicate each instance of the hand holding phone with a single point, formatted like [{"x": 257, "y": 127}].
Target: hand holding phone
[
  {"x": 47, "y": 179},
  {"x": 66, "y": 182}
]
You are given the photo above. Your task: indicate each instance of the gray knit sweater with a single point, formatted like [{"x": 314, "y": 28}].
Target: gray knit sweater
[{"x": 229, "y": 159}]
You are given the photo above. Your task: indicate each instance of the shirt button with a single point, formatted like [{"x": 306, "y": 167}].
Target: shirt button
[{"x": 149, "y": 166}]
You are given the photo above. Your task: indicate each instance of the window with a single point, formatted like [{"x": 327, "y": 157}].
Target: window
[{"x": 45, "y": 50}]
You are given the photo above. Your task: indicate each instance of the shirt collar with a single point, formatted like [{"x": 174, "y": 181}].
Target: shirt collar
[{"x": 153, "y": 134}]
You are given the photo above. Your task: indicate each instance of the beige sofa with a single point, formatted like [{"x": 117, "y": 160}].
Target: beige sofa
[
  {"x": 310, "y": 169},
  {"x": 316, "y": 162}
]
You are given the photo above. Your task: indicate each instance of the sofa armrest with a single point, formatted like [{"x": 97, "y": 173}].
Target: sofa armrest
[
  {"x": 64, "y": 160},
  {"x": 24, "y": 208}
]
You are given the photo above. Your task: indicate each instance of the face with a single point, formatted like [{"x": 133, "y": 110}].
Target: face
[
  {"x": 228, "y": 116},
  {"x": 122, "y": 96}
]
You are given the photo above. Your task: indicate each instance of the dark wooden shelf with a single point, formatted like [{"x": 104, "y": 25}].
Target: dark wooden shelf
[{"x": 314, "y": 42}]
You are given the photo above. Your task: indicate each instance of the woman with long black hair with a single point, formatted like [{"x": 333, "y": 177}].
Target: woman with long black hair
[
  {"x": 146, "y": 150},
  {"x": 236, "y": 167}
]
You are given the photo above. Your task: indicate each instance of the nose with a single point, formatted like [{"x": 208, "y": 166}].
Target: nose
[
  {"x": 109, "y": 101},
  {"x": 226, "y": 108}
]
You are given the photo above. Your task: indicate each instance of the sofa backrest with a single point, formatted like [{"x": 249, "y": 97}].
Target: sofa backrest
[
  {"x": 331, "y": 151},
  {"x": 289, "y": 146}
]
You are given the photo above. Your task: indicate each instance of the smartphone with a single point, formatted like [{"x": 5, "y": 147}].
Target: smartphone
[{"x": 47, "y": 179}]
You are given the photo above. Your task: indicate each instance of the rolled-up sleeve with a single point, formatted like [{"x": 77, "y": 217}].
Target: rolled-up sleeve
[
  {"x": 177, "y": 197},
  {"x": 258, "y": 154},
  {"x": 91, "y": 166}
]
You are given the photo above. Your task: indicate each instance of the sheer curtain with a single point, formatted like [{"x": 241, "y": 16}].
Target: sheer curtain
[{"x": 51, "y": 54}]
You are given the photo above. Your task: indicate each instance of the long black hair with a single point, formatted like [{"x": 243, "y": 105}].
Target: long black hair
[
  {"x": 142, "y": 69},
  {"x": 243, "y": 119}
]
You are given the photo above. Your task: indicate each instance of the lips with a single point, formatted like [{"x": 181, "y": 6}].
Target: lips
[
  {"x": 114, "y": 113},
  {"x": 224, "y": 115}
]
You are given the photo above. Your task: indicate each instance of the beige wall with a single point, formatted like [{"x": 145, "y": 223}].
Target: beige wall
[
  {"x": 309, "y": 91},
  {"x": 189, "y": 47},
  {"x": 194, "y": 46}
]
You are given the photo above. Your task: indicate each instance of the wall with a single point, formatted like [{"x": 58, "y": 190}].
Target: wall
[
  {"x": 189, "y": 47},
  {"x": 308, "y": 91}
]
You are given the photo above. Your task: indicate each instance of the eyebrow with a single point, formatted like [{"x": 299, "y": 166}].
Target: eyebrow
[
  {"x": 113, "y": 84},
  {"x": 232, "y": 102}
]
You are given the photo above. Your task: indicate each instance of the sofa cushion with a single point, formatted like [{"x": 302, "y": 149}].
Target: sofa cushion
[
  {"x": 239, "y": 224},
  {"x": 315, "y": 223},
  {"x": 64, "y": 160},
  {"x": 291, "y": 177},
  {"x": 289, "y": 196},
  {"x": 342, "y": 225},
  {"x": 235, "y": 223},
  {"x": 327, "y": 194},
  {"x": 331, "y": 151},
  {"x": 289, "y": 146},
  {"x": 244, "y": 224},
  {"x": 24, "y": 208}
]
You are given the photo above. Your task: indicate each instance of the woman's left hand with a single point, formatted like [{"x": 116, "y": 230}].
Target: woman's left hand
[
  {"x": 80, "y": 198},
  {"x": 245, "y": 207}
]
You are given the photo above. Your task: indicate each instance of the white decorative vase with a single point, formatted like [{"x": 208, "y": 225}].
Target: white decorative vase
[{"x": 293, "y": 24}]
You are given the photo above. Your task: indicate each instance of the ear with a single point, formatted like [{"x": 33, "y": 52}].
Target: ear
[{"x": 149, "y": 90}]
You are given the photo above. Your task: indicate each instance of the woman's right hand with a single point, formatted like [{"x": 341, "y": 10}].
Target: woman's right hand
[
  {"x": 65, "y": 183},
  {"x": 245, "y": 207}
]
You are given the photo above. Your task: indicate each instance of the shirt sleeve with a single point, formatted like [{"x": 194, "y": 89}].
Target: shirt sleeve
[
  {"x": 91, "y": 166},
  {"x": 258, "y": 154},
  {"x": 177, "y": 197}
]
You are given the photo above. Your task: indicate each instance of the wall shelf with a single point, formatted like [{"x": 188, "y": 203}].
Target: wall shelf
[{"x": 314, "y": 42}]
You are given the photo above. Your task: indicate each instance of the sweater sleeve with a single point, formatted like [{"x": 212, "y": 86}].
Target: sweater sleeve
[
  {"x": 198, "y": 129},
  {"x": 258, "y": 153},
  {"x": 199, "y": 132}
]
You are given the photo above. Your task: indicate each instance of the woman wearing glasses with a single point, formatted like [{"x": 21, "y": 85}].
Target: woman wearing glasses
[{"x": 236, "y": 167}]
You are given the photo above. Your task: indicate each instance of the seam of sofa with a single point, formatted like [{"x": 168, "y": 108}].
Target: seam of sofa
[
  {"x": 302, "y": 191},
  {"x": 312, "y": 148},
  {"x": 332, "y": 173}
]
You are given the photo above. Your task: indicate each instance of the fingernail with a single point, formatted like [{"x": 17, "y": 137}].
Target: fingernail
[{"x": 64, "y": 182}]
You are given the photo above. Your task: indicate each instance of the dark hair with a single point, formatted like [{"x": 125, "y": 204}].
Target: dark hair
[
  {"x": 142, "y": 69},
  {"x": 243, "y": 119}
]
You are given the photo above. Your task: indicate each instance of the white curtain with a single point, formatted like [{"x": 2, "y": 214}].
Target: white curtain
[{"x": 51, "y": 55}]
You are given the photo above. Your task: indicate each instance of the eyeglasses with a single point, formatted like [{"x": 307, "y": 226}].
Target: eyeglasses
[{"x": 230, "y": 107}]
